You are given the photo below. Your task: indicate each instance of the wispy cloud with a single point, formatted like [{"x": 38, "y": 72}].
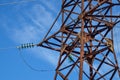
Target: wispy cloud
[
  {"x": 26, "y": 34},
  {"x": 54, "y": 6},
  {"x": 117, "y": 42},
  {"x": 41, "y": 15},
  {"x": 32, "y": 24},
  {"x": 46, "y": 54}
]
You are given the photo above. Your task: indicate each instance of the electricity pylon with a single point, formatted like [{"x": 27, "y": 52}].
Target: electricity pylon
[{"x": 85, "y": 37}]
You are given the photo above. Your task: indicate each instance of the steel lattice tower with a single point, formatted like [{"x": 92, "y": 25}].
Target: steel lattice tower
[{"x": 86, "y": 38}]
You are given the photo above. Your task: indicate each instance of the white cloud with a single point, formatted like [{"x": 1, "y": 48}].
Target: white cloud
[
  {"x": 41, "y": 20},
  {"x": 46, "y": 54},
  {"x": 26, "y": 34},
  {"x": 43, "y": 16},
  {"x": 117, "y": 42},
  {"x": 49, "y": 4}
]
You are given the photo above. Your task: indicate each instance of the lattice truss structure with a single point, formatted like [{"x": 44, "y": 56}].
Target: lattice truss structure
[{"x": 85, "y": 37}]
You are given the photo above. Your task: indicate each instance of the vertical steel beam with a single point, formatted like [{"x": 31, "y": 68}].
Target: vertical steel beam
[
  {"x": 82, "y": 43},
  {"x": 85, "y": 26}
]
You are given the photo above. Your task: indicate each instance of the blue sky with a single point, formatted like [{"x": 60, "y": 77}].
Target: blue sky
[{"x": 24, "y": 22}]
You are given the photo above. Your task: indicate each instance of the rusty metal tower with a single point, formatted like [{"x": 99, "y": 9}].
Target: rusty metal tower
[{"x": 85, "y": 36}]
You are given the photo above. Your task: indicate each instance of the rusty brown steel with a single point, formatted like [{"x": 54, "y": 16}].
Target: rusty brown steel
[{"x": 86, "y": 37}]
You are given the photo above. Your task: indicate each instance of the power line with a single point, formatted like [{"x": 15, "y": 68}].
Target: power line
[
  {"x": 32, "y": 68},
  {"x": 23, "y": 46},
  {"x": 9, "y": 3},
  {"x": 7, "y": 48},
  {"x": 30, "y": 45}
]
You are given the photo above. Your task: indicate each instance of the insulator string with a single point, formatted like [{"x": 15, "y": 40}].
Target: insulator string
[{"x": 24, "y": 46}]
